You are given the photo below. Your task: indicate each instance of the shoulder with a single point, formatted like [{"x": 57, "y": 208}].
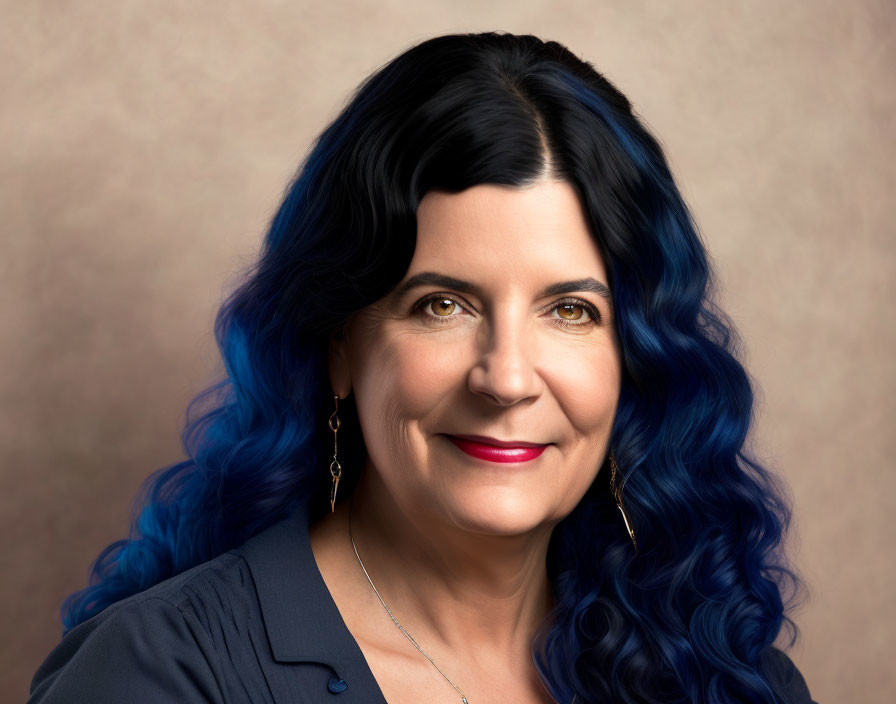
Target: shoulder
[
  {"x": 784, "y": 676},
  {"x": 162, "y": 644}
]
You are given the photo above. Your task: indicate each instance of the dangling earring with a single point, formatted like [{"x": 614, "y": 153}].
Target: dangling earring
[
  {"x": 335, "y": 467},
  {"x": 617, "y": 494}
]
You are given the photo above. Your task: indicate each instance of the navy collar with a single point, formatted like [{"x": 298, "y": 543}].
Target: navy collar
[{"x": 302, "y": 621}]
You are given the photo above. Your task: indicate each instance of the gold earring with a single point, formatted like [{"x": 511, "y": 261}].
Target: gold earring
[
  {"x": 335, "y": 467},
  {"x": 617, "y": 494}
]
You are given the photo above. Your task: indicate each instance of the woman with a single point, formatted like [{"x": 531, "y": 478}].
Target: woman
[{"x": 481, "y": 437}]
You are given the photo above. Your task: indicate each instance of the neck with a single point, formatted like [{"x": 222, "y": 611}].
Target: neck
[{"x": 469, "y": 591}]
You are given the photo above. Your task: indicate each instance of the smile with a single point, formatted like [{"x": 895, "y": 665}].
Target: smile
[{"x": 494, "y": 453}]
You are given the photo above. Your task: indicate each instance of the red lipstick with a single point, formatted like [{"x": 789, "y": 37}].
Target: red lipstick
[{"x": 497, "y": 450}]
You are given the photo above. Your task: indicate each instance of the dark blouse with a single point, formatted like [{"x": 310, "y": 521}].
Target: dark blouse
[{"x": 254, "y": 625}]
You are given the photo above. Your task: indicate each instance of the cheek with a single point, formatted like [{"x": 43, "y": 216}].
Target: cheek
[
  {"x": 587, "y": 390},
  {"x": 399, "y": 380},
  {"x": 586, "y": 382}
]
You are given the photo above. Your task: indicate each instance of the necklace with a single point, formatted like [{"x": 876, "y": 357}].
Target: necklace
[{"x": 395, "y": 620}]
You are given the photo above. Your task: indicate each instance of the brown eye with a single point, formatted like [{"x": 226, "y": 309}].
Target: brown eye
[
  {"x": 571, "y": 314},
  {"x": 442, "y": 307},
  {"x": 568, "y": 311}
]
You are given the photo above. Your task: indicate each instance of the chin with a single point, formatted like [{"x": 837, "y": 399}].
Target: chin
[{"x": 501, "y": 512}]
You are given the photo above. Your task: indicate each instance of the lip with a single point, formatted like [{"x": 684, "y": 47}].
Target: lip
[
  {"x": 494, "y": 450},
  {"x": 485, "y": 440}
]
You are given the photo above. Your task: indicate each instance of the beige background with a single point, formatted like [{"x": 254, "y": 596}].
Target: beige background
[{"x": 146, "y": 144}]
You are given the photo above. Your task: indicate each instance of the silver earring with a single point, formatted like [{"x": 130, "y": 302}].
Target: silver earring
[
  {"x": 335, "y": 467},
  {"x": 617, "y": 494}
]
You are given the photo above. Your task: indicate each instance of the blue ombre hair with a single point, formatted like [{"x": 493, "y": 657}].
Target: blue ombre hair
[{"x": 687, "y": 617}]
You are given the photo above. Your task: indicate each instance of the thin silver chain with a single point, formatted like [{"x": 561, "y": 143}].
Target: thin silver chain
[{"x": 463, "y": 698}]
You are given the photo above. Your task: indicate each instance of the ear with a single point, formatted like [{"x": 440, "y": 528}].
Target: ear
[{"x": 338, "y": 358}]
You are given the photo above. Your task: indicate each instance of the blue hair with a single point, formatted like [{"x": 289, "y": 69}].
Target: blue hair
[{"x": 686, "y": 617}]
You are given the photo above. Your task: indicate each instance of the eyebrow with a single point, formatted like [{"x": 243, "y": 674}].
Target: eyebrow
[{"x": 431, "y": 278}]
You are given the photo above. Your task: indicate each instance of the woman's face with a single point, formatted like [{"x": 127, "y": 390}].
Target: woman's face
[{"x": 488, "y": 351}]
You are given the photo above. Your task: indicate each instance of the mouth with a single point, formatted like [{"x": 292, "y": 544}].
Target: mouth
[{"x": 494, "y": 450}]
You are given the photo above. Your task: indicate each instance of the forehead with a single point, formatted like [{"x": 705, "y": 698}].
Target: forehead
[{"x": 496, "y": 230}]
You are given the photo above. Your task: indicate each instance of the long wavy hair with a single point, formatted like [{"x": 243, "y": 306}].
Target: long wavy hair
[{"x": 683, "y": 619}]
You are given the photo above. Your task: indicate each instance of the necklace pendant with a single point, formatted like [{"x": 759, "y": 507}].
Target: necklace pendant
[{"x": 464, "y": 699}]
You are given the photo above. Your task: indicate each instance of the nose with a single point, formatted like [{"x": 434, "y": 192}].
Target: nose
[{"x": 504, "y": 371}]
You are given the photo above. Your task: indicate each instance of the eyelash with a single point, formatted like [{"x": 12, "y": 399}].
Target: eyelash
[{"x": 442, "y": 319}]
